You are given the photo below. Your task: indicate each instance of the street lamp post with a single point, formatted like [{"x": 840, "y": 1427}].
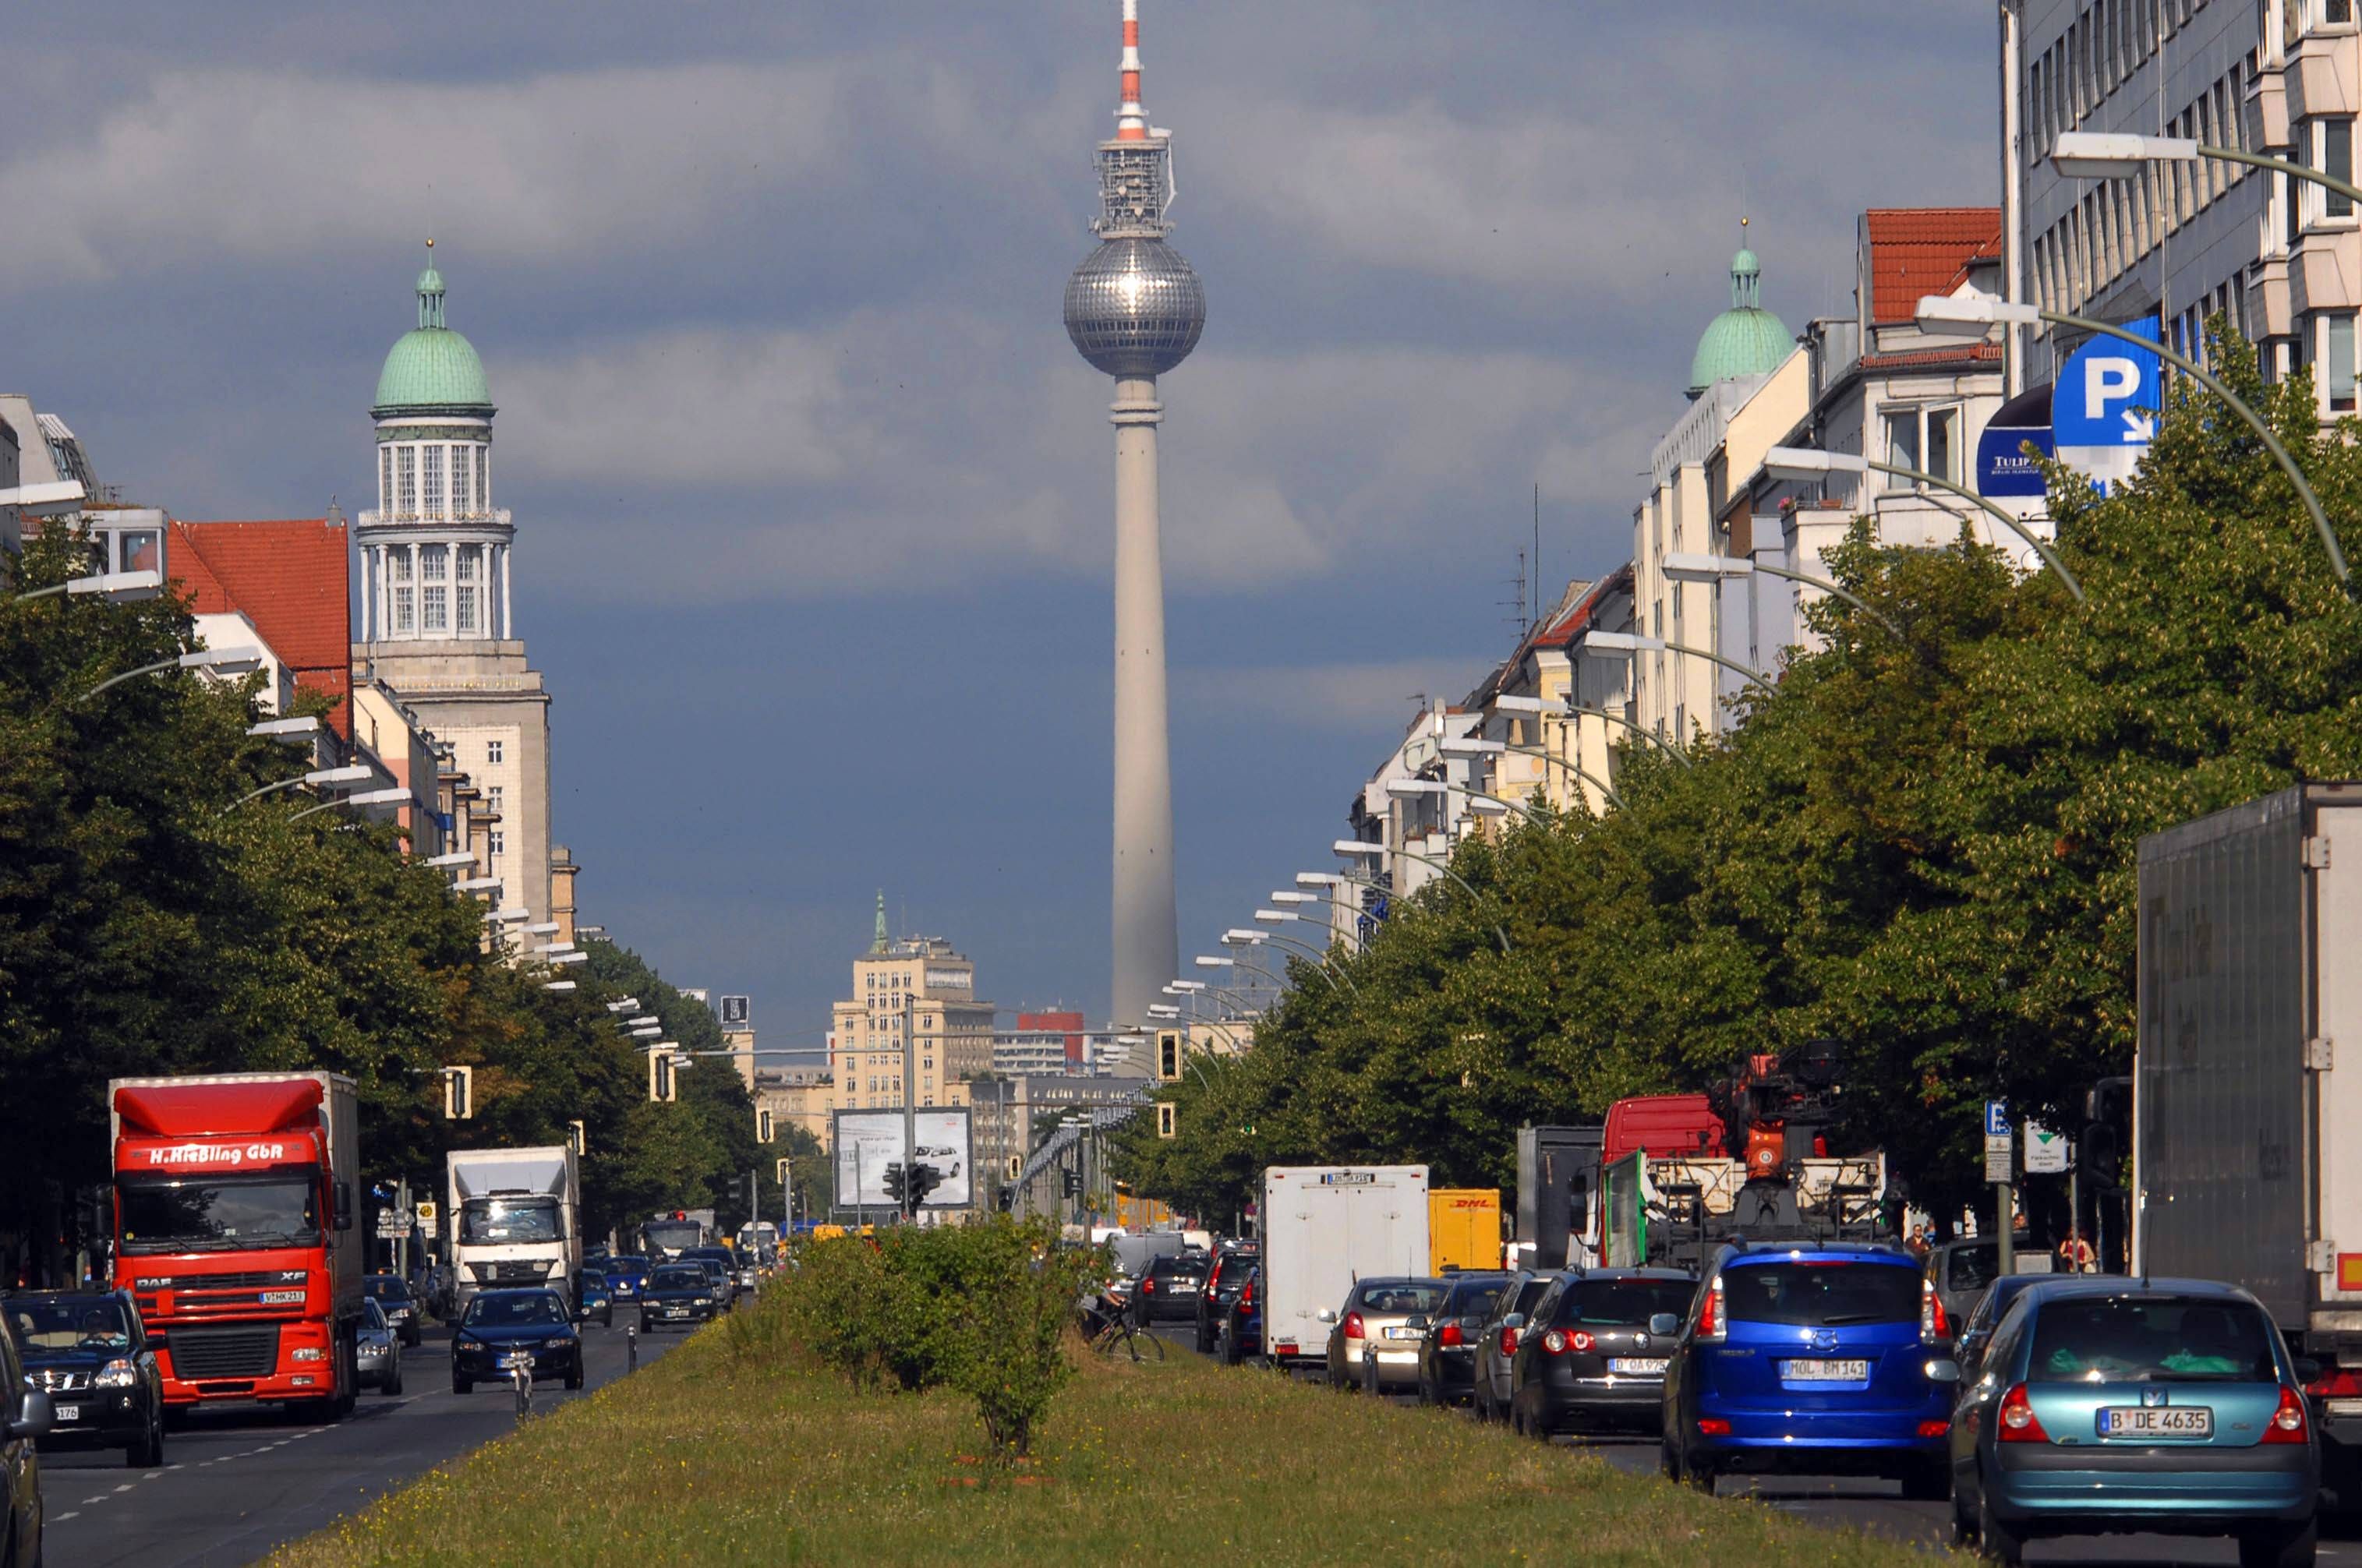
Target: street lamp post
[
  {"x": 366, "y": 797},
  {"x": 220, "y": 661},
  {"x": 1536, "y": 705},
  {"x": 1410, "y": 789},
  {"x": 1601, "y": 645},
  {"x": 118, "y": 587},
  {"x": 1947, "y": 315},
  {"x": 1711, "y": 568},
  {"x": 1810, "y": 462},
  {"x": 356, "y": 773},
  {"x": 1274, "y": 917},
  {"x": 1351, "y": 847}
]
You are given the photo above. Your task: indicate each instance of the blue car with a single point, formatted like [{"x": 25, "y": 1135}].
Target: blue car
[
  {"x": 627, "y": 1278},
  {"x": 1823, "y": 1359},
  {"x": 2108, "y": 1406}
]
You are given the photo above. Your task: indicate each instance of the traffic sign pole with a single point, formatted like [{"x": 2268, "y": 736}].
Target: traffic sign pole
[{"x": 1997, "y": 1171}]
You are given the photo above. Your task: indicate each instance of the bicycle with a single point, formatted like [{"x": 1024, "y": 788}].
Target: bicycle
[{"x": 1123, "y": 1333}]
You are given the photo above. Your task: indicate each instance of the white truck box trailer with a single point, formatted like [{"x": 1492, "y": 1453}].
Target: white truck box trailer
[{"x": 1324, "y": 1226}]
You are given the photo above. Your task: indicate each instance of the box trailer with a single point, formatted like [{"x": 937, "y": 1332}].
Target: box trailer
[
  {"x": 515, "y": 1219},
  {"x": 1463, "y": 1228},
  {"x": 1324, "y": 1227},
  {"x": 2245, "y": 1069}
]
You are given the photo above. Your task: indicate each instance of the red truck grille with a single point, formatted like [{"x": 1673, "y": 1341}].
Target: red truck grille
[
  {"x": 248, "y": 1350},
  {"x": 147, "y": 1284}
]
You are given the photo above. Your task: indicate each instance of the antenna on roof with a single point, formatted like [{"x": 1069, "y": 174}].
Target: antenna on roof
[
  {"x": 1518, "y": 586},
  {"x": 1538, "y": 550}
]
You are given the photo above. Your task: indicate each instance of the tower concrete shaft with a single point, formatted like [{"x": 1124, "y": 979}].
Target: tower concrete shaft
[{"x": 1144, "y": 925}]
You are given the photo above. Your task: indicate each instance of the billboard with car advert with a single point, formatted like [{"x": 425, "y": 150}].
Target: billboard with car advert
[{"x": 866, "y": 1143}]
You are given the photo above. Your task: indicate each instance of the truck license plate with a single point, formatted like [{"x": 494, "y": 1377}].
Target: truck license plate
[
  {"x": 1828, "y": 1371},
  {"x": 2158, "y": 1420},
  {"x": 281, "y": 1297}
]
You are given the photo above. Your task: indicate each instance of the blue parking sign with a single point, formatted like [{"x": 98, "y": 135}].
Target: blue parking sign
[
  {"x": 1996, "y": 1118},
  {"x": 2104, "y": 403}
]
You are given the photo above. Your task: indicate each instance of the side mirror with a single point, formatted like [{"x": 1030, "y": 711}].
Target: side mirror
[
  {"x": 2308, "y": 1370},
  {"x": 343, "y": 1206},
  {"x": 1664, "y": 1323},
  {"x": 1325, "y": 1315},
  {"x": 34, "y": 1415},
  {"x": 1417, "y": 1320},
  {"x": 1513, "y": 1321},
  {"x": 1943, "y": 1369}
]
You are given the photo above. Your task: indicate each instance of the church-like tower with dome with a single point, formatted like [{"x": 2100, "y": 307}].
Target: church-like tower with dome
[{"x": 436, "y": 624}]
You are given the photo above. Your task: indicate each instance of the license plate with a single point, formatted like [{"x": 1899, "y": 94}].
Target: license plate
[
  {"x": 517, "y": 1358},
  {"x": 66, "y": 1412},
  {"x": 676, "y": 1311},
  {"x": 1827, "y": 1372},
  {"x": 1637, "y": 1365},
  {"x": 2157, "y": 1420},
  {"x": 1402, "y": 1333},
  {"x": 281, "y": 1297}
]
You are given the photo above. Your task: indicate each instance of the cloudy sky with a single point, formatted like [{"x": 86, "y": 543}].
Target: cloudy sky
[{"x": 814, "y": 500}]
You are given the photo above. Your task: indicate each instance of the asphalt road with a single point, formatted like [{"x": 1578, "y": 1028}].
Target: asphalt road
[
  {"x": 236, "y": 1482},
  {"x": 1877, "y": 1507}
]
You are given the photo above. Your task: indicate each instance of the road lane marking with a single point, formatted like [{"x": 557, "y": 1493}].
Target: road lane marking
[
  {"x": 88, "y": 1501},
  {"x": 126, "y": 1486},
  {"x": 62, "y": 1518},
  {"x": 153, "y": 1473}
]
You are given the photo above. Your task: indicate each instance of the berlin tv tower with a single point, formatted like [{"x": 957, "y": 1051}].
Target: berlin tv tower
[{"x": 1135, "y": 310}]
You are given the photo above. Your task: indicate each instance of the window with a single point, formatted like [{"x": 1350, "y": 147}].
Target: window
[
  {"x": 493, "y": 750},
  {"x": 1902, "y": 441},
  {"x": 403, "y": 611},
  {"x": 469, "y": 588},
  {"x": 432, "y": 468},
  {"x": 459, "y": 487},
  {"x": 2338, "y": 361},
  {"x": 2336, "y": 160},
  {"x": 405, "y": 489},
  {"x": 433, "y": 579},
  {"x": 2336, "y": 13},
  {"x": 1944, "y": 444},
  {"x": 385, "y": 478},
  {"x": 483, "y": 477},
  {"x": 492, "y": 798},
  {"x": 496, "y": 843}
]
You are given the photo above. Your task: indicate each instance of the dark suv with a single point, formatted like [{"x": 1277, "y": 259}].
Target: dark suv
[
  {"x": 24, "y": 1416},
  {"x": 1446, "y": 1346},
  {"x": 88, "y": 1352},
  {"x": 1589, "y": 1359},
  {"x": 1224, "y": 1275},
  {"x": 1171, "y": 1288},
  {"x": 1824, "y": 1358}
]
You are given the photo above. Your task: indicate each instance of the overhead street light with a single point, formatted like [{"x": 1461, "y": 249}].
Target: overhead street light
[
  {"x": 1243, "y": 934},
  {"x": 573, "y": 957},
  {"x": 1356, "y": 847},
  {"x": 1535, "y": 705},
  {"x": 476, "y": 885},
  {"x": 542, "y": 929},
  {"x": 1205, "y": 960},
  {"x": 644, "y": 1018},
  {"x": 507, "y": 916},
  {"x": 218, "y": 661},
  {"x": 1274, "y": 917},
  {"x": 1603, "y": 643},
  {"x": 558, "y": 985},
  {"x": 626, "y": 1005},
  {"x": 356, "y": 772},
  {"x": 1318, "y": 879},
  {"x": 1966, "y": 316},
  {"x": 49, "y": 497},
  {"x": 647, "y": 1033},
  {"x": 1688, "y": 568},
  {"x": 552, "y": 947},
  {"x": 1286, "y": 897},
  {"x": 1807, "y": 463},
  {"x": 118, "y": 588},
  {"x": 456, "y": 858},
  {"x": 284, "y": 728},
  {"x": 2097, "y": 155},
  {"x": 366, "y": 797},
  {"x": 1188, "y": 985}
]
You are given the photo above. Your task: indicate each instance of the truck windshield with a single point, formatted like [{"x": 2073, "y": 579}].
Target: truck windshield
[
  {"x": 220, "y": 1213},
  {"x": 674, "y": 1235},
  {"x": 508, "y": 1222}
]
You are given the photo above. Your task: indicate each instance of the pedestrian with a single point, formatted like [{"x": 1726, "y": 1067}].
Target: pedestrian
[
  {"x": 1918, "y": 1242},
  {"x": 2075, "y": 1253}
]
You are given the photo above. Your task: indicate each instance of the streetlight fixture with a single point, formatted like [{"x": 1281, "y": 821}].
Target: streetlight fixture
[
  {"x": 2110, "y": 155},
  {"x": 1352, "y": 846},
  {"x": 506, "y": 917},
  {"x": 1206, "y": 960},
  {"x": 1687, "y": 568},
  {"x": 1600, "y": 644},
  {"x": 366, "y": 797},
  {"x": 574, "y": 957},
  {"x": 543, "y": 928},
  {"x": 626, "y": 1005},
  {"x": 356, "y": 772},
  {"x": 1967, "y": 315},
  {"x": 1809, "y": 463},
  {"x": 1536, "y": 705},
  {"x": 456, "y": 858},
  {"x": 284, "y": 729},
  {"x": 476, "y": 885},
  {"x": 558, "y": 985},
  {"x": 1484, "y": 804},
  {"x": 219, "y": 661},
  {"x": 643, "y": 1020},
  {"x": 118, "y": 588}
]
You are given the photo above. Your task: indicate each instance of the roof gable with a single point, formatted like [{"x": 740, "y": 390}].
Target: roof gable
[
  {"x": 1911, "y": 251},
  {"x": 290, "y": 578}
]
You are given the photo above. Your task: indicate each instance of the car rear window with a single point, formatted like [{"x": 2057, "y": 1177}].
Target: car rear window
[
  {"x": 1474, "y": 1300},
  {"x": 1622, "y": 1303},
  {"x": 1166, "y": 1267},
  {"x": 2151, "y": 1339},
  {"x": 1821, "y": 1295},
  {"x": 1972, "y": 1267},
  {"x": 1402, "y": 1296}
]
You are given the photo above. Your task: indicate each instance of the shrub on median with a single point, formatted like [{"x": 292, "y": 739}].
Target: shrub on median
[{"x": 981, "y": 1307}]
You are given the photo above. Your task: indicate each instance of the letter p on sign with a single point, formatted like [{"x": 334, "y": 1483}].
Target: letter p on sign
[{"x": 2108, "y": 381}]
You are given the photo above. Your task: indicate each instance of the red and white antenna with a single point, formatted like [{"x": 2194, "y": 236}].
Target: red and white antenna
[{"x": 1130, "y": 119}]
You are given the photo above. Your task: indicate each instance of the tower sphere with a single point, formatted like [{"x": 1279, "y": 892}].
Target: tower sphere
[{"x": 1134, "y": 308}]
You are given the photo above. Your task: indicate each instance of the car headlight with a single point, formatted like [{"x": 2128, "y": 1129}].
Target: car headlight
[
  {"x": 116, "y": 1374},
  {"x": 462, "y": 1342},
  {"x": 705, "y": 1301}
]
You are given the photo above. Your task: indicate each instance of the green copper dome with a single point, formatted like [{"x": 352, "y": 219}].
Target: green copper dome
[
  {"x": 1745, "y": 340},
  {"x": 432, "y": 368}
]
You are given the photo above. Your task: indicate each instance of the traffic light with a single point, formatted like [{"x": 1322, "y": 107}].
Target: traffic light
[
  {"x": 894, "y": 1181},
  {"x": 783, "y": 1176},
  {"x": 763, "y": 1126},
  {"x": 1164, "y": 1125},
  {"x": 661, "y": 1086},
  {"x": 1008, "y": 1200},
  {"x": 1168, "y": 1056},
  {"x": 2109, "y": 1105},
  {"x": 1016, "y": 1166},
  {"x": 1071, "y": 1183},
  {"x": 458, "y": 1093},
  {"x": 577, "y": 1139},
  {"x": 923, "y": 1180}
]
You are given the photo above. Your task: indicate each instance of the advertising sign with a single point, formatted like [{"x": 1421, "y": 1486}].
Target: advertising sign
[
  {"x": 2046, "y": 1151},
  {"x": 2003, "y": 470},
  {"x": 864, "y": 1142},
  {"x": 2103, "y": 406},
  {"x": 737, "y": 1014}
]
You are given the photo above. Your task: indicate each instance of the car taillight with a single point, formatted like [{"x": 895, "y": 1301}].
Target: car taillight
[
  {"x": 1933, "y": 1327},
  {"x": 1581, "y": 1340},
  {"x": 1246, "y": 1294},
  {"x": 1554, "y": 1342},
  {"x": 1148, "y": 1287},
  {"x": 1508, "y": 1342},
  {"x": 1354, "y": 1325},
  {"x": 2287, "y": 1423},
  {"x": 2018, "y": 1422},
  {"x": 1712, "y": 1427},
  {"x": 1451, "y": 1337},
  {"x": 1710, "y": 1329}
]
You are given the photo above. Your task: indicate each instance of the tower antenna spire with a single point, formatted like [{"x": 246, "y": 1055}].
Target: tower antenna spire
[{"x": 1130, "y": 119}]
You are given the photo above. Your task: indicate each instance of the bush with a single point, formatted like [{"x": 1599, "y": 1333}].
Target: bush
[{"x": 982, "y": 1308}]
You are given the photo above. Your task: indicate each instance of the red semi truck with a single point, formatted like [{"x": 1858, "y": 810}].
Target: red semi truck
[{"x": 235, "y": 1199}]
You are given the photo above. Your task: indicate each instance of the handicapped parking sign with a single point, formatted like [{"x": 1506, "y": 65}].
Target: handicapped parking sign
[{"x": 2105, "y": 404}]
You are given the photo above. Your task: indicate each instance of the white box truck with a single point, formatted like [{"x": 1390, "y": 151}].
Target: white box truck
[
  {"x": 1324, "y": 1226},
  {"x": 514, "y": 1217}
]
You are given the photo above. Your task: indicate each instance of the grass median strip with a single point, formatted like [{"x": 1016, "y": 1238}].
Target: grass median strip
[{"x": 724, "y": 1455}]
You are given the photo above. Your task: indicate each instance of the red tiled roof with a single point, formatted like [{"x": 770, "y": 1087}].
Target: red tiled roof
[
  {"x": 1575, "y": 621},
  {"x": 1912, "y": 358},
  {"x": 1923, "y": 250},
  {"x": 291, "y": 579}
]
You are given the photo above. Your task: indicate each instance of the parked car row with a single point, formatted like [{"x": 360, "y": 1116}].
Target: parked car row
[{"x": 2038, "y": 1405}]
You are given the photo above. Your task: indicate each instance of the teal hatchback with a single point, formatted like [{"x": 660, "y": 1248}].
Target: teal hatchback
[{"x": 2122, "y": 1406}]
